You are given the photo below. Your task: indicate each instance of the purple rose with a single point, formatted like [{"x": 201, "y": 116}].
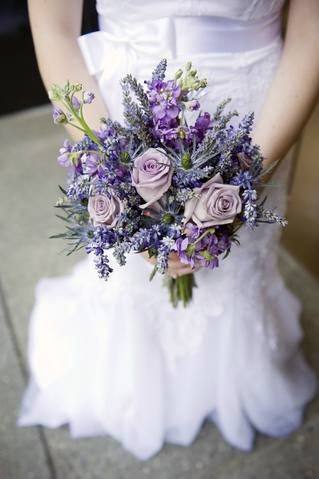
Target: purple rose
[
  {"x": 213, "y": 204},
  {"x": 105, "y": 209},
  {"x": 152, "y": 175}
]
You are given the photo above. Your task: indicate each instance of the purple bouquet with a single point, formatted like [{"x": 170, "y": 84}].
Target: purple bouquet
[{"x": 172, "y": 179}]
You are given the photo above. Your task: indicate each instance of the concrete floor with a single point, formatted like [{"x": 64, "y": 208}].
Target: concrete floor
[{"x": 28, "y": 188}]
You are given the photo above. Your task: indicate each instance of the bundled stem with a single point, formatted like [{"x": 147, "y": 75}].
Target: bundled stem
[{"x": 181, "y": 289}]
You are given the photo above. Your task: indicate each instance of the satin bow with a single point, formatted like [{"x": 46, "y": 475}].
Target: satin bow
[{"x": 111, "y": 54}]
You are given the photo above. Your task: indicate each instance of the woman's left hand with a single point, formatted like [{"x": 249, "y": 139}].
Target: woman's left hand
[{"x": 175, "y": 267}]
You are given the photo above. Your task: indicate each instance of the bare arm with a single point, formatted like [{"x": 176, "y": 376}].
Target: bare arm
[
  {"x": 55, "y": 28},
  {"x": 294, "y": 90}
]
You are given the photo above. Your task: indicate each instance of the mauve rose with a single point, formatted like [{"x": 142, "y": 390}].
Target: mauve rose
[
  {"x": 152, "y": 175},
  {"x": 214, "y": 204},
  {"x": 105, "y": 209}
]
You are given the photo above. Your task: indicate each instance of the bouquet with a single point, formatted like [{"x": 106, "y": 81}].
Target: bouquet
[{"x": 171, "y": 179}]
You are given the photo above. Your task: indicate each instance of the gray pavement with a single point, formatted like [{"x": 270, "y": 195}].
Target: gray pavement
[{"x": 28, "y": 188}]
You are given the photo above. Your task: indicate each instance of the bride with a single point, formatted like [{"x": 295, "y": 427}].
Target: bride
[{"x": 115, "y": 358}]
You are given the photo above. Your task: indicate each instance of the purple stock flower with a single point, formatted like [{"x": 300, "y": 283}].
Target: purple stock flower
[
  {"x": 203, "y": 252},
  {"x": 165, "y": 103},
  {"x": 88, "y": 97},
  {"x": 58, "y": 115},
  {"x": 192, "y": 105},
  {"x": 64, "y": 156},
  {"x": 202, "y": 125},
  {"x": 207, "y": 255},
  {"x": 185, "y": 251},
  {"x": 192, "y": 231},
  {"x": 76, "y": 103},
  {"x": 90, "y": 163}
]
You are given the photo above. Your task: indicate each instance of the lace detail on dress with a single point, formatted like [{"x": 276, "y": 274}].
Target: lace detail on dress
[{"x": 246, "y": 10}]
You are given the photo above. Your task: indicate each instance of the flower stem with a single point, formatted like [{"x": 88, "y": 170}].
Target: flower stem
[
  {"x": 80, "y": 119},
  {"x": 206, "y": 232},
  {"x": 181, "y": 289}
]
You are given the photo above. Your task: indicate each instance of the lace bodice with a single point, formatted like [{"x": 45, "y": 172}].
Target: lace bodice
[{"x": 131, "y": 10}]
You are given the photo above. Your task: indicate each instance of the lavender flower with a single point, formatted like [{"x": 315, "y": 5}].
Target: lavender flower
[
  {"x": 166, "y": 245},
  {"x": 243, "y": 179},
  {"x": 250, "y": 214},
  {"x": 102, "y": 266},
  {"x": 79, "y": 188},
  {"x": 103, "y": 238}
]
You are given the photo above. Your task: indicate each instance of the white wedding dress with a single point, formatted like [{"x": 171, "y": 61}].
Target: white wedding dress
[{"x": 115, "y": 358}]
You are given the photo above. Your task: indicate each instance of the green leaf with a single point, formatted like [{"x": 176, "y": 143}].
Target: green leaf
[
  {"x": 57, "y": 236},
  {"x": 62, "y": 190},
  {"x": 63, "y": 218},
  {"x": 153, "y": 273}
]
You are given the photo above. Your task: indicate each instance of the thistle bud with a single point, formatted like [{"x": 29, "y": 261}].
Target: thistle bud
[
  {"x": 168, "y": 218},
  {"x": 186, "y": 161},
  {"x": 181, "y": 134},
  {"x": 125, "y": 157}
]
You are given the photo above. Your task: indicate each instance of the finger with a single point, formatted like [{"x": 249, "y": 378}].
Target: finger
[
  {"x": 149, "y": 259},
  {"x": 175, "y": 263},
  {"x": 178, "y": 266},
  {"x": 173, "y": 256},
  {"x": 176, "y": 272}
]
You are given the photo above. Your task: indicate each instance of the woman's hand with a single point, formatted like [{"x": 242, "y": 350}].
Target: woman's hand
[
  {"x": 175, "y": 267},
  {"x": 55, "y": 27}
]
